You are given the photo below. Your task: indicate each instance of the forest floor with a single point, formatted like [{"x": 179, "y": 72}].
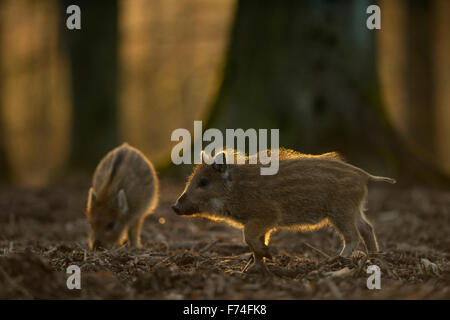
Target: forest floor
[{"x": 42, "y": 232}]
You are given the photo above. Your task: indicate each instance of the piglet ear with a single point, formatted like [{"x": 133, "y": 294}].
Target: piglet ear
[
  {"x": 91, "y": 198},
  {"x": 205, "y": 158},
  {"x": 220, "y": 162},
  {"x": 123, "y": 203}
]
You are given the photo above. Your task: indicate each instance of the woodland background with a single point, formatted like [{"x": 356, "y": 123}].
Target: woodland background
[{"x": 138, "y": 69}]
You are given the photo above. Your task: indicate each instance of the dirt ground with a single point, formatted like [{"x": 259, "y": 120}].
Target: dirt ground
[{"x": 42, "y": 232}]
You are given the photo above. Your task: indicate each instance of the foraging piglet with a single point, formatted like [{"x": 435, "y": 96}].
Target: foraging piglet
[
  {"x": 124, "y": 191},
  {"x": 307, "y": 193}
]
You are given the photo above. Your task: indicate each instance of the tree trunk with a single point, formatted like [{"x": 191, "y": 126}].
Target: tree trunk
[
  {"x": 93, "y": 59},
  {"x": 309, "y": 68},
  {"x": 4, "y": 171},
  {"x": 414, "y": 64},
  {"x": 34, "y": 92}
]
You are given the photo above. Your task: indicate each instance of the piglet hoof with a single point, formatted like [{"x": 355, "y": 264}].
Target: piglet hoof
[
  {"x": 248, "y": 264},
  {"x": 258, "y": 267}
]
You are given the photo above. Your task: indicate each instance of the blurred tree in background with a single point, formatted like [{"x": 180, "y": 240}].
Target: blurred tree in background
[
  {"x": 4, "y": 170},
  {"x": 170, "y": 57},
  {"x": 309, "y": 68},
  {"x": 139, "y": 69},
  {"x": 306, "y": 67},
  {"x": 414, "y": 65},
  {"x": 34, "y": 91},
  {"x": 93, "y": 58}
]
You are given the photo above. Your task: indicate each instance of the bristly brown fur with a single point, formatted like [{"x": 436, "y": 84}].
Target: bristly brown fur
[
  {"x": 307, "y": 193},
  {"x": 123, "y": 177}
]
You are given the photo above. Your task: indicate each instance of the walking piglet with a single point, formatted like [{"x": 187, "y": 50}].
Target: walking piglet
[{"x": 307, "y": 193}]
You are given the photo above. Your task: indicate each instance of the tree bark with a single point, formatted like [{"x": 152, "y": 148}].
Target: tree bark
[
  {"x": 309, "y": 68},
  {"x": 4, "y": 170},
  {"x": 93, "y": 59}
]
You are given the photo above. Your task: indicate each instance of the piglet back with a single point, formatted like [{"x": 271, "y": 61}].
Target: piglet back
[{"x": 127, "y": 168}]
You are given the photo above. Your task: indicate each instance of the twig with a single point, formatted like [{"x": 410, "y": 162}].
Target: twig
[
  {"x": 118, "y": 248},
  {"x": 317, "y": 250},
  {"x": 250, "y": 260},
  {"x": 208, "y": 246},
  {"x": 162, "y": 261}
]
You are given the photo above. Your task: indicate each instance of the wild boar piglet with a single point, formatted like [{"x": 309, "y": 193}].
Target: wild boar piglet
[
  {"x": 124, "y": 191},
  {"x": 307, "y": 193}
]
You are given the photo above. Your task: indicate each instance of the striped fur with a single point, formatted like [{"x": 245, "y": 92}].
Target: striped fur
[
  {"x": 124, "y": 191},
  {"x": 308, "y": 193}
]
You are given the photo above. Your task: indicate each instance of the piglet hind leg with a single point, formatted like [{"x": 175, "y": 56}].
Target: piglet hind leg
[
  {"x": 134, "y": 233},
  {"x": 256, "y": 260},
  {"x": 254, "y": 234},
  {"x": 349, "y": 234},
  {"x": 367, "y": 234}
]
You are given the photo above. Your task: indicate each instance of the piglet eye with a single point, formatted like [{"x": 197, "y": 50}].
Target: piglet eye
[
  {"x": 203, "y": 183},
  {"x": 110, "y": 226}
]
